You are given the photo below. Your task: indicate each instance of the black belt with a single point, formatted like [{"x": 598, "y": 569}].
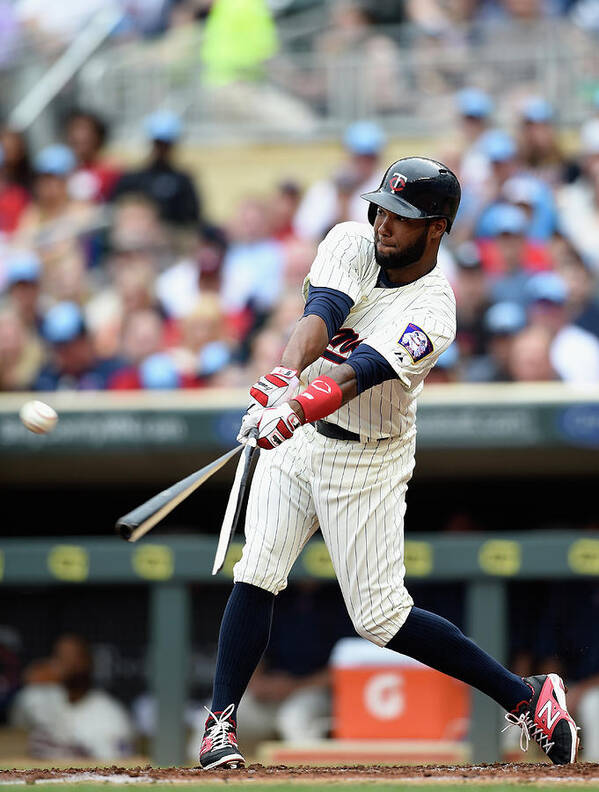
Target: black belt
[{"x": 335, "y": 432}]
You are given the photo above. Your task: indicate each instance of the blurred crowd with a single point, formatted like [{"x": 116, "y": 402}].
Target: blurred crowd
[
  {"x": 32, "y": 21},
  {"x": 118, "y": 278}
]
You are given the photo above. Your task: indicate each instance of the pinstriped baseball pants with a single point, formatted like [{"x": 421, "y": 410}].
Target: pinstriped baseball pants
[{"x": 356, "y": 493}]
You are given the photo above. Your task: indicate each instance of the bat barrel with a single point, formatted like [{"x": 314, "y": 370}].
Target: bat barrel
[{"x": 140, "y": 520}]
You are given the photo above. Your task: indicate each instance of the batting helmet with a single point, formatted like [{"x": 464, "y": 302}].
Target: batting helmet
[{"x": 416, "y": 187}]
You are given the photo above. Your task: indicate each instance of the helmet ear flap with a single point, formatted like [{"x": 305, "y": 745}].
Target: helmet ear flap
[{"x": 371, "y": 213}]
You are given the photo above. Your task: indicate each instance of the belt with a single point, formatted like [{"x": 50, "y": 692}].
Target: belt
[{"x": 335, "y": 432}]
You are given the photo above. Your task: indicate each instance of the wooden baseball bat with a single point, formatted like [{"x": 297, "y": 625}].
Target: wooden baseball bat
[
  {"x": 234, "y": 505},
  {"x": 136, "y": 523}
]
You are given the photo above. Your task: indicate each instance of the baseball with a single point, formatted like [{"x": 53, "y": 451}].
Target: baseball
[{"x": 38, "y": 417}]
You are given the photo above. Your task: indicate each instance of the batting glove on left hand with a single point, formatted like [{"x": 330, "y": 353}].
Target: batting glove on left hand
[{"x": 275, "y": 425}]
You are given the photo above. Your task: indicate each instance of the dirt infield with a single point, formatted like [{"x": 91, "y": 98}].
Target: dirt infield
[{"x": 527, "y": 772}]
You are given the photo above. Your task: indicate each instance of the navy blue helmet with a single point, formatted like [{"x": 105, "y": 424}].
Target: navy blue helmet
[{"x": 417, "y": 188}]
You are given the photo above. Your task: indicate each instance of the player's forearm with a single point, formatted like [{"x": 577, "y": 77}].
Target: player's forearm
[{"x": 307, "y": 343}]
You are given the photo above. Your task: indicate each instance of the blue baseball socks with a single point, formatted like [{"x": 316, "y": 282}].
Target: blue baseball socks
[
  {"x": 438, "y": 643},
  {"x": 246, "y": 623}
]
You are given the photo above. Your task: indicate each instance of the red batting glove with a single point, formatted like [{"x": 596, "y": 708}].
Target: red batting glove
[
  {"x": 272, "y": 389},
  {"x": 276, "y": 424}
]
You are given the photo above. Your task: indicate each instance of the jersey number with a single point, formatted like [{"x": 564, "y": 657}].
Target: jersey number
[{"x": 345, "y": 341}]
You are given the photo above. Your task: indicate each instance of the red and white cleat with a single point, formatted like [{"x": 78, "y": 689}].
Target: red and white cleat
[
  {"x": 546, "y": 720},
  {"x": 219, "y": 745}
]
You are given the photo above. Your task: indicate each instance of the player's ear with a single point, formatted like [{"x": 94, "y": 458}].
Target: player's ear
[{"x": 438, "y": 226}]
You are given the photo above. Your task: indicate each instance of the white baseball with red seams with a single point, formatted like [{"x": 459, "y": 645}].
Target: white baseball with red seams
[
  {"x": 354, "y": 491},
  {"x": 38, "y": 416}
]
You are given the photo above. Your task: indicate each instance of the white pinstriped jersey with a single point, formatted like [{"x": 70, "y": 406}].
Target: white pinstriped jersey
[{"x": 410, "y": 326}]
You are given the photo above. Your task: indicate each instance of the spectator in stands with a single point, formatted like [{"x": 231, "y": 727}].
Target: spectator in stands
[
  {"x": 17, "y": 165},
  {"x": 539, "y": 147},
  {"x": 374, "y": 60},
  {"x": 131, "y": 268},
  {"x": 210, "y": 255},
  {"x": 578, "y": 203},
  {"x": 181, "y": 284},
  {"x": 266, "y": 348},
  {"x": 156, "y": 372},
  {"x": 23, "y": 275},
  {"x": 322, "y": 205},
  {"x": 475, "y": 109},
  {"x": 507, "y": 256},
  {"x": 238, "y": 41},
  {"x": 581, "y": 283},
  {"x": 574, "y": 353},
  {"x": 500, "y": 150},
  {"x": 142, "y": 336},
  {"x": 535, "y": 198},
  {"x": 93, "y": 179},
  {"x": 136, "y": 224},
  {"x": 205, "y": 349},
  {"x": 441, "y": 15},
  {"x": 253, "y": 265},
  {"x": 299, "y": 256},
  {"x": 13, "y": 198},
  {"x": 55, "y": 225},
  {"x": 62, "y": 711},
  {"x": 502, "y": 322},
  {"x": 21, "y": 355},
  {"x": 471, "y": 289},
  {"x": 282, "y": 208},
  {"x": 73, "y": 363},
  {"x": 171, "y": 188},
  {"x": 530, "y": 359}
]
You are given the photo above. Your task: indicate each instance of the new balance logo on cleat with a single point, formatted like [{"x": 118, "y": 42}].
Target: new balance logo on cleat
[
  {"x": 546, "y": 720},
  {"x": 219, "y": 745}
]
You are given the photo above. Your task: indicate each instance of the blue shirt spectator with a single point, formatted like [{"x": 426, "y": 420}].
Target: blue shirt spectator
[{"x": 74, "y": 365}]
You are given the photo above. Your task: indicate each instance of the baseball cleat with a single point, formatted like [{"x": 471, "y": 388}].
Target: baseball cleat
[
  {"x": 219, "y": 745},
  {"x": 546, "y": 720}
]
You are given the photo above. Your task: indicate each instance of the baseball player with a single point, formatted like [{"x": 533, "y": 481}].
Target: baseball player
[{"x": 336, "y": 419}]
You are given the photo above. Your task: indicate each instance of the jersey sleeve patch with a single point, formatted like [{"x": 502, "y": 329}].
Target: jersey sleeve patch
[{"x": 416, "y": 342}]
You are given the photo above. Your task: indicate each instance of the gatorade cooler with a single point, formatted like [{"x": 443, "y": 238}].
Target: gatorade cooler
[{"x": 380, "y": 694}]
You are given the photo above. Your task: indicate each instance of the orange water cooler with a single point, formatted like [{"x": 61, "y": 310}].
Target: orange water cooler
[{"x": 381, "y": 695}]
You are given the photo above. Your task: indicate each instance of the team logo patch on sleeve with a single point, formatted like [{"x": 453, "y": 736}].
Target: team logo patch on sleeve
[{"x": 416, "y": 342}]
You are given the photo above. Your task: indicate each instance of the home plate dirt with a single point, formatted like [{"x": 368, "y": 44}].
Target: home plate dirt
[{"x": 528, "y": 772}]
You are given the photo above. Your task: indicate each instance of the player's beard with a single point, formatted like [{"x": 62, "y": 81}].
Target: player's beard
[{"x": 405, "y": 257}]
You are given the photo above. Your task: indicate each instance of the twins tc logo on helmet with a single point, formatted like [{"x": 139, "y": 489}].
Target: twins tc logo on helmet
[
  {"x": 397, "y": 182},
  {"x": 416, "y": 342}
]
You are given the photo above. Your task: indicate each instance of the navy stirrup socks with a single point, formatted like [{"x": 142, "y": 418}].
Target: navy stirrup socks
[
  {"x": 438, "y": 643},
  {"x": 243, "y": 637}
]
